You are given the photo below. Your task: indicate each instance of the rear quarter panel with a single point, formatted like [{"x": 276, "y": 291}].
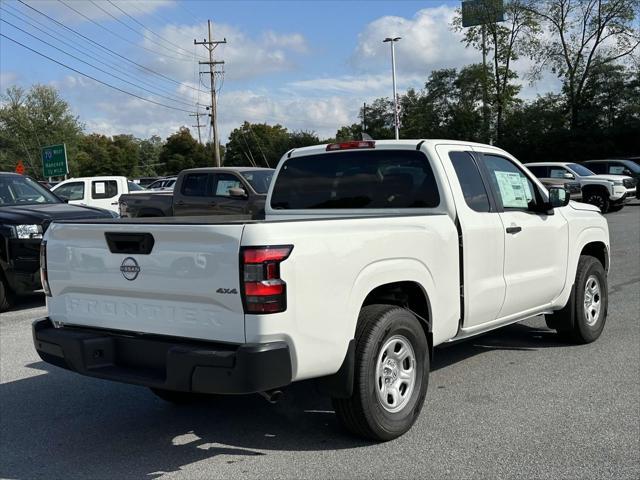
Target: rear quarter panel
[{"x": 336, "y": 263}]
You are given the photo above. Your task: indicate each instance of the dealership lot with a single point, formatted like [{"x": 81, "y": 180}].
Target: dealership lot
[{"x": 513, "y": 403}]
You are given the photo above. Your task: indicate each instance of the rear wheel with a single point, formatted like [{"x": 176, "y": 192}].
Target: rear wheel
[
  {"x": 5, "y": 295},
  {"x": 391, "y": 374},
  {"x": 582, "y": 319},
  {"x": 598, "y": 198}
]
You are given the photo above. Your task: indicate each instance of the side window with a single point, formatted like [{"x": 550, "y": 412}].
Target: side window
[
  {"x": 104, "y": 189},
  {"x": 559, "y": 172},
  {"x": 195, "y": 185},
  {"x": 71, "y": 191},
  {"x": 597, "y": 167},
  {"x": 468, "y": 174},
  {"x": 539, "y": 171},
  {"x": 515, "y": 190},
  {"x": 617, "y": 169},
  {"x": 223, "y": 183}
]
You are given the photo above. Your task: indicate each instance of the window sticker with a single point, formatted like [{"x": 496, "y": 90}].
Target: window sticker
[
  {"x": 100, "y": 189},
  {"x": 225, "y": 185},
  {"x": 514, "y": 189}
]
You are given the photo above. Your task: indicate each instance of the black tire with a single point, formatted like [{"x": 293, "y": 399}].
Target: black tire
[
  {"x": 6, "y": 297},
  {"x": 177, "y": 398},
  {"x": 598, "y": 198},
  {"x": 572, "y": 322},
  {"x": 363, "y": 414}
]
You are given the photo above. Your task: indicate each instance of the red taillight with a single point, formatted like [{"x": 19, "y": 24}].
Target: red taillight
[
  {"x": 44, "y": 277},
  {"x": 265, "y": 254},
  {"x": 263, "y": 289},
  {"x": 351, "y": 145}
]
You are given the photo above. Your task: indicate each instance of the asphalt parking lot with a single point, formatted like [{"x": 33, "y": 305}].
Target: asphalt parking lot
[{"x": 513, "y": 403}]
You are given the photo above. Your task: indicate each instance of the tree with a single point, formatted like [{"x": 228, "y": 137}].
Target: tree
[
  {"x": 149, "y": 156},
  {"x": 506, "y": 42},
  {"x": 258, "y": 145},
  {"x": 182, "y": 151},
  {"x": 33, "y": 119},
  {"x": 584, "y": 35}
]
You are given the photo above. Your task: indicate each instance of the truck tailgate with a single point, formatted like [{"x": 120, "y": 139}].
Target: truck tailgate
[{"x": 186, "y": 286}]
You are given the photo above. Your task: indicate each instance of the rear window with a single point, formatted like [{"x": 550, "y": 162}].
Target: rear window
[{"x": 356, "y": 179}]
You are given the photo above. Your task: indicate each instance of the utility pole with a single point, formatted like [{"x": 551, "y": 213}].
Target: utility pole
[
  {"x": 396, "y": 116},
  {"x": 364, "y": 117},
  {"x": 485, "y": 94},
  {"x": 210, "y": 45},
  {"x": 197, "y": 115}
]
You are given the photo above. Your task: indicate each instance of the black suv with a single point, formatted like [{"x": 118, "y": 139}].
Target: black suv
[
  {"x": 26, "y": 210},
  {"x": 617, "y": 167}
]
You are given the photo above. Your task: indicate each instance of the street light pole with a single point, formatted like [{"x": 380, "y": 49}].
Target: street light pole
[{"x": 396, "y": 117}]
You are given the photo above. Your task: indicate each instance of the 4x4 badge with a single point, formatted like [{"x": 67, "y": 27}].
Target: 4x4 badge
[{"x": 231, "y": 291}]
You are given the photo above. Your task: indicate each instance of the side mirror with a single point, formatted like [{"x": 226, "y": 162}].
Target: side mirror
[
  {"x": 569, "y": 176},
  {"x": 558, "y": 197},
  {"x": 237, "y": 192}
]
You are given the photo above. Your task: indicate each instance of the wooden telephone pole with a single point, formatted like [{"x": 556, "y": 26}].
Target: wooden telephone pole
[{"x": 210, "y": 45}]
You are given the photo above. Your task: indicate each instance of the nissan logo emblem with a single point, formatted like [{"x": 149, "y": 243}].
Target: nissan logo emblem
[{"x": 130, "y": 269}]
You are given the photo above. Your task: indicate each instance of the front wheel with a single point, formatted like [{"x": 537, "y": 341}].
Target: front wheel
[
  {"x": 582, "y": 319},
  {"x": 391, "y": 374},
  {"x": 599, "y": 199}
]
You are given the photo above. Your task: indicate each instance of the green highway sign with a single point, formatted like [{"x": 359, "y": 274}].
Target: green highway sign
[
  {"x": 54, "y": 161},
  {"x": 480, "y": 12}
]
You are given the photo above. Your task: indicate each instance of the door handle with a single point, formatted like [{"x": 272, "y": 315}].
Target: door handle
[
  {"x": 114, "y": 203},
  {"x": 180, "y": 203},
  {"x": 514, "y": 230}
]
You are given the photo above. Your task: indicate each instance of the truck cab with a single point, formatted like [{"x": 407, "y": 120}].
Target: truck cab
[{"x": 100, "y": 192}]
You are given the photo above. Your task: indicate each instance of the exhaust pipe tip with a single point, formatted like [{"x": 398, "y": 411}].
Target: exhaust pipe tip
[{"x": 272, "y": 396}]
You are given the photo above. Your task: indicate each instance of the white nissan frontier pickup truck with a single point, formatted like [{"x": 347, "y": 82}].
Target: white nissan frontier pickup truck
[{"x": 371, "y": 254}]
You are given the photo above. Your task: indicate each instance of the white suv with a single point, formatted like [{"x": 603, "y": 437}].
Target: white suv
[{"x": 607, "y": 192}]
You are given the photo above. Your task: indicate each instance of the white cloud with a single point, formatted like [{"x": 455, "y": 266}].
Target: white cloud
[
  {"x": 245, "y": 56},
  {"x": 427, "y": 43},
  {"x": 378, "y": 84},
  {"x": 108, "y": 112}
]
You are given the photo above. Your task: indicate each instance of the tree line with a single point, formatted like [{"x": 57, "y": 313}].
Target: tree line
[{"x": 592, "y": 46}]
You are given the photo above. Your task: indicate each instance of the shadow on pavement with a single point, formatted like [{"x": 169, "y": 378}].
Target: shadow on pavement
[{"x": 57, "y": 424}]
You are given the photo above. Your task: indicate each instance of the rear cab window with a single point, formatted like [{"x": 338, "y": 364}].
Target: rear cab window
[
  {"x": 195, "y": 185},
  {"x": 104, "y": 189},
  {"x": 371, "y": 179}
]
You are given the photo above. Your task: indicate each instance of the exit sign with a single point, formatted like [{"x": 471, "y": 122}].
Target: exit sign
[{"x": 54, "y": 161}]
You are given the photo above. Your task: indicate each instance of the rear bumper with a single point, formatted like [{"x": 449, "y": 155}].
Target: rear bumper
[{"x": 165, "y": 362}]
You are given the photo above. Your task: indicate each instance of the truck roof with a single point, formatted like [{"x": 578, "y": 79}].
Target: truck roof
[
  {"x": 388, "y": 144},
  {"x": 225, "y": 169}
]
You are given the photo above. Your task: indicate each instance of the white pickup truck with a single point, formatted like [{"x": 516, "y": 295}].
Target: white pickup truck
[
  {"x": 371, "y": 254},
  {"x": 100, "y": 192}
]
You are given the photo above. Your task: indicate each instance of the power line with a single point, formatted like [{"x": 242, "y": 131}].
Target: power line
[
  {"x": 95, "y": 79},
  {"x": 117, "y": 35},
  {"x": 186, "y": 53},
  {"x": 95, "y": 67},
  {"x": 108, "y": 49},
  {"x": 93, "y": 57}
]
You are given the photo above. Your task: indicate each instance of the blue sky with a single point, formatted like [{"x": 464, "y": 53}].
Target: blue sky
[{"x": 305, "y": 64}]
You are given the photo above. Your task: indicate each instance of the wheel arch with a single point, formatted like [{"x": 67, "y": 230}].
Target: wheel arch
[{"x": 599, "y": 250}]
